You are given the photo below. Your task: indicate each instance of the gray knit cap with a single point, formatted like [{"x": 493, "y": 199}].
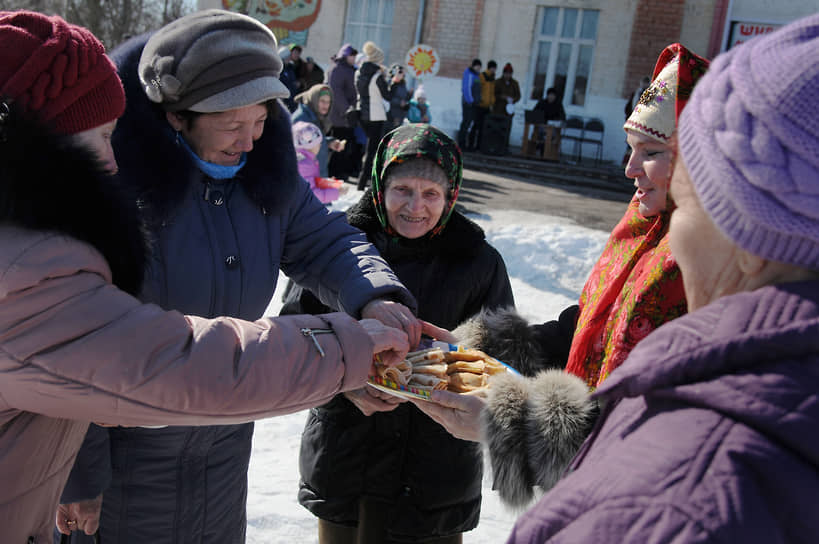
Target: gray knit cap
[
  {"x": 211, "y": 61},
  {"x": 418, "y": 168}
]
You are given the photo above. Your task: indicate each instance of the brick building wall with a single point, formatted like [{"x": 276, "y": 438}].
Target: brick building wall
[
  {"x": 657, "y": 23},
  {"x": 453, "y": 28},
  {"x": 405, "y": 16},
  {"x": 700, "y": 17}
]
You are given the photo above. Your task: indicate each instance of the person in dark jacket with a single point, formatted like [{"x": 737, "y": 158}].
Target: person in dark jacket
[
  {"x": 297, "y": 64},
  {"x": 507, "y": 92},
  {"x": 399, "y": 97},
  {"x": 226, "y": 210},
  {"x": 373, "y": 470},
  {"x": 341, "y": 79},
  {"x": 372, "y": 91},
  {"x": 633, "y": 288},
  {"x": 311, "y": 74},
  {"x": 709, "y": 434},
  {"x": 551, "y": 107},
  {"x": 288, "y": 77}
]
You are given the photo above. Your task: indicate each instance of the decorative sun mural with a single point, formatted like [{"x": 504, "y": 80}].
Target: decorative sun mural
[
  {"x": 422, "y": 61},
  {"x": 283, "y": 17}
]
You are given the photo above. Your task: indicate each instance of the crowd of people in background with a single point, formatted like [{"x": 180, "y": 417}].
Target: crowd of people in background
[
  {"x": 487, "y": 100},
  {"x": 369, "y": 99},
  {"x": 691, "y": 348}
]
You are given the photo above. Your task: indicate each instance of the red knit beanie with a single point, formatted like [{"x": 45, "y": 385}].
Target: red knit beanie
[
  {"x": 58, "y": 71},
  {"x": 508, "y": 67}
]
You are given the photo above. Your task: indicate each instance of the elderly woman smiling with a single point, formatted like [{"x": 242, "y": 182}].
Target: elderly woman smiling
[{"x": 445, "y": 261}]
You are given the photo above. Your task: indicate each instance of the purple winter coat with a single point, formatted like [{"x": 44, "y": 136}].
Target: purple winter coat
[{"x": 711, "y": 433}]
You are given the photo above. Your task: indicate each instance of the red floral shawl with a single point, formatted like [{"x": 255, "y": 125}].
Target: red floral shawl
[{"x": 634, "y": 287}]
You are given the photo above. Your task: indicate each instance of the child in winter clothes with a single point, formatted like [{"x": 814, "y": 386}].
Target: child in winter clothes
[
  {"x": 419, "y": 108},
  {"x": 307, "y": 140}
]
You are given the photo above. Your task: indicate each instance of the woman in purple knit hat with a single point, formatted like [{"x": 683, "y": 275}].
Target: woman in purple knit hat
[
  {"x": 709, "y": 434},
  {"x": 708, "y": 430}
]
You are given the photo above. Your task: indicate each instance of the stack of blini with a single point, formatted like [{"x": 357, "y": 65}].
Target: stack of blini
[{"x": 458, "y": 371}]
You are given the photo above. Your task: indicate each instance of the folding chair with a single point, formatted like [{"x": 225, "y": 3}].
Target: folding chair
[
  {"x": 593, "y": 134},
  {"x": 573, "y": 131}
]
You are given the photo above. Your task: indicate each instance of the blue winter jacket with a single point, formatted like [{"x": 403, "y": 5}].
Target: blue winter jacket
[
  {"x": 709, "y": 433},
  {"x": 218, "y": 248},
  {"x": 469, "y": 84}
]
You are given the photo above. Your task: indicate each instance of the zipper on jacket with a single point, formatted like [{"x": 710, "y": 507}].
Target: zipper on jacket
[{"x": 311, "y": 333}]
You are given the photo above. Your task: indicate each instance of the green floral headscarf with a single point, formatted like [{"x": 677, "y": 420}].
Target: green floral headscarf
[{"x": 412, "y": 142}]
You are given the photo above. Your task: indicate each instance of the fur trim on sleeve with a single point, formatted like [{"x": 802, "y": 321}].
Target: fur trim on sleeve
[
  {"x": 504, "y": 334},
  {"x": 504, "y": 432},
  {"x": 533, "y": 428}
]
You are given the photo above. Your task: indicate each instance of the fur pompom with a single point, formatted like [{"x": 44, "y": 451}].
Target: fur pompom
[
  {"x": 560, "y": 416},
  {"x": 533, "y": 428},
  {"x": 503, "y": 426}
]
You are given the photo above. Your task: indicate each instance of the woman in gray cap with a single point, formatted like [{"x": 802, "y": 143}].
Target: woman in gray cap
[{"x": 207, "y": 147}]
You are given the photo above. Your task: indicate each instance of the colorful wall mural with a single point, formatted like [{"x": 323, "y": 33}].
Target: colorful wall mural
[{"x": 288, "y": 19}]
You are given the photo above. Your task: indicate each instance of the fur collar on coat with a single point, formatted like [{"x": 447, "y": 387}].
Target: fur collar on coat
[
  {"x": 160, "y": 170},
  {"x": 47, "y": 183}
]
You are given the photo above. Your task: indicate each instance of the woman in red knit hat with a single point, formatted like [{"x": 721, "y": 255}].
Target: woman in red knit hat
[{"x": 75, "y": 345}]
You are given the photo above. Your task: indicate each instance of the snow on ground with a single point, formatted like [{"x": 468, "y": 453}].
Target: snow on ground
[{"x": 547, "y": 259}]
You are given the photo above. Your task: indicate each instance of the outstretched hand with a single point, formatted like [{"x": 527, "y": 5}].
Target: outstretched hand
[
  {"x": 458, "y": 413},
  {"x": 436, "y": 332},
  {"x": 390, "y": 345},
  {"x": 394, "y": 314}
]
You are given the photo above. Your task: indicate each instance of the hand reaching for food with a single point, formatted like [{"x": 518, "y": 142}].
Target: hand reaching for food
[
  {"x": 438, "y": 333},
  {"x": 394, "y": 314},
  {"x": 390, "y": 345}
]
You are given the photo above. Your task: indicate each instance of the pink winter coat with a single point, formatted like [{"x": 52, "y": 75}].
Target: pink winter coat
[
  {"x": 309, "y": 169},
  {"x": 75, "y": 349}
]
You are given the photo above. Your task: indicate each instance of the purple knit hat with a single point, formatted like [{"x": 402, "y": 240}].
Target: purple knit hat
[{"x": 750, "y": 140}]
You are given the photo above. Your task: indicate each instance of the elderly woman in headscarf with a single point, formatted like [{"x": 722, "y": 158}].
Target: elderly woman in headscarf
[
  {"x": 226, "y": 209},
  {"x": 634, "y": 287},
  {"x": 313, "y": 106},
  {"x": 374, "y": 470},
  {"x": 709, "y": 431}
]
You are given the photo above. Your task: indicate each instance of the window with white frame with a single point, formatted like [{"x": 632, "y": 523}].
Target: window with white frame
[
  {"x": 369, "y": 20},
  {"x": 563, "y": 50}
]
